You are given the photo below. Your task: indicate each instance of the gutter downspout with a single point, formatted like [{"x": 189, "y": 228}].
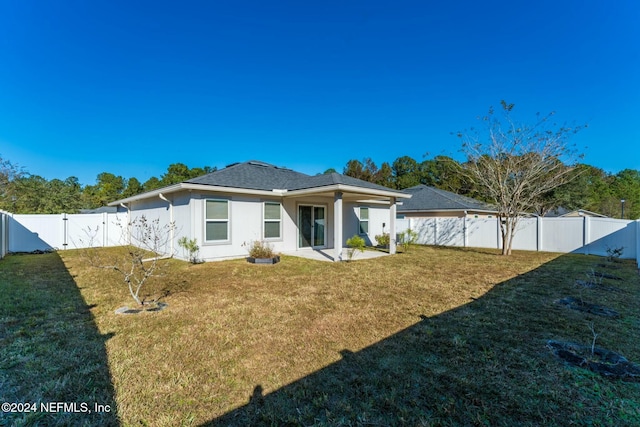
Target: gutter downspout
[{"x": 172, "y": 230}]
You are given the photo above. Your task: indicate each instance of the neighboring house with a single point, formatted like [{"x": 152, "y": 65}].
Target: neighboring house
[
  {"x": 228, "y": 209},
  {"x": 103, "y": 209},
  {"x": 565, "y": 213},
  {"x": 428, "y": 202}
]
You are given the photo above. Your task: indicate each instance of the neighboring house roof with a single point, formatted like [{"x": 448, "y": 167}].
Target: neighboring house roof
[
  {"x": 103, "y": 209},
  {"x": 425, "y": 199},
  {"x": 255, "y": 177},
  {"x": 562, "y": 212}
]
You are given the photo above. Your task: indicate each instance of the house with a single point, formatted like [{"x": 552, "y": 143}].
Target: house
[
  {"x": 229, "y": 208},
  {"x": 565, "y": 213},
  {"x": 429, "y": 202}
]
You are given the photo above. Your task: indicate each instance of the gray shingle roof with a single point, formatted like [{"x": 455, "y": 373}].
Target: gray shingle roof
[
  {"x": 425, "y": 198},
  {"x": 258, "y": 175}
]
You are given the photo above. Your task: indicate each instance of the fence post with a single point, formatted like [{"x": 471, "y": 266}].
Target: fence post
[
  {"x": 638, "y": 243},
  {"x": 586, "y": 232},
  {"x": 3, "y": 235},
  {"x": 435, "y": 231},
  {"x": 464, "y": 231},
  {"x": 105, "y": 233}
]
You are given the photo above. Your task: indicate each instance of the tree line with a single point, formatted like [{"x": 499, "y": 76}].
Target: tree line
[
  {"x": 22, "y": 192},
  {"x": 589, "y": 188},
  {"x": 592, "y": 188}
]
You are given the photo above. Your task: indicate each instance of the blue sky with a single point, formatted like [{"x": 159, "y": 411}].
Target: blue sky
[{"x": 130, "y": 87}]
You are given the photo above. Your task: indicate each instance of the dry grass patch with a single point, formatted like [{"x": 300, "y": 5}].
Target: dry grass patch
[{"x": 435, "y": 336}]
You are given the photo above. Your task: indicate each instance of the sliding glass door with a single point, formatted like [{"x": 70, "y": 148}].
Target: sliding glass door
[{"x": 311, "y": 226}]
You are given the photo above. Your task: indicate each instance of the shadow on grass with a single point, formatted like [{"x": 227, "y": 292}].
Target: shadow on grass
[
  {"x": 484, "y": 363},
  {"x": 51, "y": 352}
]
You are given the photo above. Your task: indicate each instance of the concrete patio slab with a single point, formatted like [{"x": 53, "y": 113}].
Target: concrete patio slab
[{"x": 327, "y": 254}]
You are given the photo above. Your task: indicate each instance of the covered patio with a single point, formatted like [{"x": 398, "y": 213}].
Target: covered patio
[{"x": 328, "y": 254}]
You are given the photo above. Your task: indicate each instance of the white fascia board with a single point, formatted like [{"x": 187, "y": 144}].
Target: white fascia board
[
  {"x": 278, "y": 192},
  {"x": 196, "y": 187},
  {"x": 348, "y": 189},
  {"x": 148, "y": 195}
]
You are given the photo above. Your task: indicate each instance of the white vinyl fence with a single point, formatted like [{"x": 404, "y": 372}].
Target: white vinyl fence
[
  {"x": 4, "y": 234},
  {"x": 585, "y": 235},
  {"x": 29, "y": 233}
]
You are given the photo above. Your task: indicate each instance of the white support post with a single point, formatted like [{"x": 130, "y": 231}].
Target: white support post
[
  {"x": 337, "y": 226},
  {"x": 392, "y": 225}
]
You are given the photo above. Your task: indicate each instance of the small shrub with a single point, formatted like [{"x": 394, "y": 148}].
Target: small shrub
[
  {"x": 408, "y": 238},
  {"x": 191, "y": 247},
  {"x": 355, "y": 243},
  {"x": 260, "y": 249},
  {"x": 613, "y": 254},
  {"x": 383, "y": 240}
]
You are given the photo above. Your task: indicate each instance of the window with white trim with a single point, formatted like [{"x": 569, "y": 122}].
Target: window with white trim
[
  {"x": 216, "y": 220},
  {"x": 363, "y": 218},
  {"x": 272, "y": 220}
]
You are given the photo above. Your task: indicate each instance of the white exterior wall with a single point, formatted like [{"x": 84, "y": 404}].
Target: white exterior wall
[{"x": 378, "y": 215}]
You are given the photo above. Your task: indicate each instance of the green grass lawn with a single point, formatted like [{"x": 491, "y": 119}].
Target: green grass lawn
[{"x": 436, "y": 336}]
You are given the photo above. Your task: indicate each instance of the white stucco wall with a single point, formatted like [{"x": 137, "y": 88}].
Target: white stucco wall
[
  {"x": 378, "y": 215},
  {"x": 246, "y": 221}
]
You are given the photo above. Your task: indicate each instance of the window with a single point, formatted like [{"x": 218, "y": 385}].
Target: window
[
  {"x": 272, "y": 220},
  {"x": 364, "y": 221},
  {"x": 216, "y": 220}
]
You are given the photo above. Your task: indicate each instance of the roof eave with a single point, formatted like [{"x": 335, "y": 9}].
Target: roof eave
[
  {"x": 197, "y": 187},
  {"x": 348, "y": 189}
]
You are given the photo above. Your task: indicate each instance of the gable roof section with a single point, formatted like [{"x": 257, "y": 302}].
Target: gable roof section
[
  {"x": 252, "y": 175},
  {"x": 257, "y": 177},
  {"x": 263, "y": 176},
  {"x": 425, "y": 198}
]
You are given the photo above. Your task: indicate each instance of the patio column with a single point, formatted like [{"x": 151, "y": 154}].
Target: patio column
[
  {"x": 392, "y": 225},
  {"x": 337, "y": 226}
]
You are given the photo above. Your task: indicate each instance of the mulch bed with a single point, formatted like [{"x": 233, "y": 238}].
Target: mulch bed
[
  {"x": 602, "y": 361},
  {"x": 585, "y": 307}
]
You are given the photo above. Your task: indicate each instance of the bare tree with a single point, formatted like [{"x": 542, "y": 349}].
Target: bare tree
[
  {"x": 146, "y": 242},
  {"x": 515, "y": 164}
]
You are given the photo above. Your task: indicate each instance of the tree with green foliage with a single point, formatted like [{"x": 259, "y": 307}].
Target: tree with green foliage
[
  {"x": 406, "y": 172},
  {"x": 515, "y": 164},
  {"x": 133, "y": 187},
  {"x": 8, "y": 173},
  {"x": 108, "y": 188},
  {"x": 152, "y": 183},
  {"x": 355, "y": 169},
  {"x": 626, "y": 186},
  {"x": 384, "y": 176}
]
